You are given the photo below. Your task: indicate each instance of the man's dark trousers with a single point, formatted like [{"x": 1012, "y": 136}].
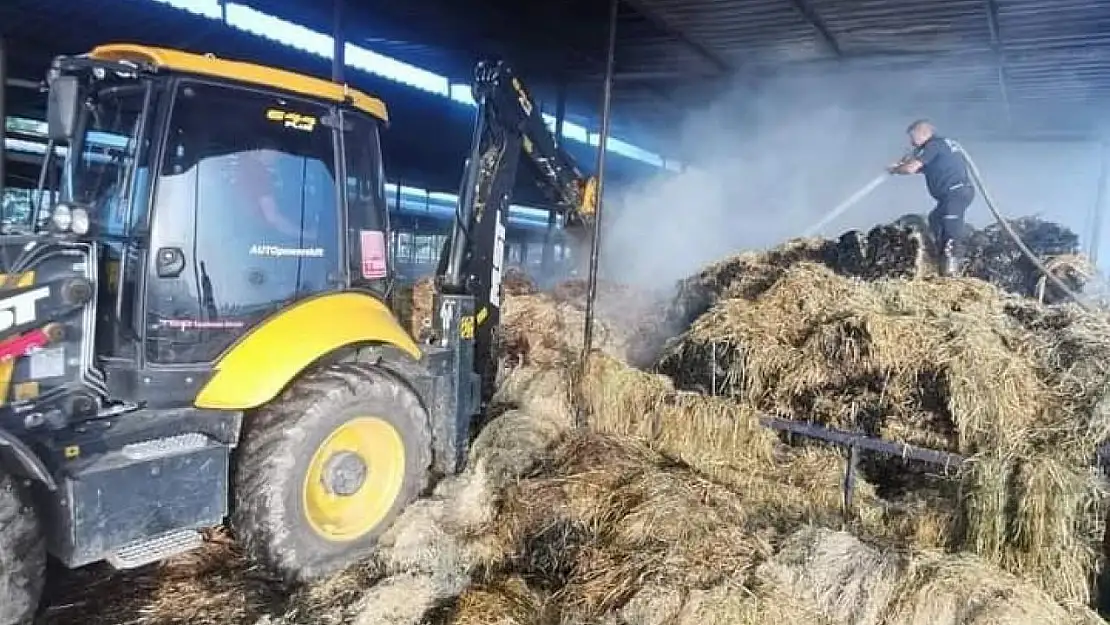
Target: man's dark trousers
[{"x": 947, "y": 220}]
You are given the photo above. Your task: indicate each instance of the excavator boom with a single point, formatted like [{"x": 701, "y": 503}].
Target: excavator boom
[{"x": 509, "y": 127}]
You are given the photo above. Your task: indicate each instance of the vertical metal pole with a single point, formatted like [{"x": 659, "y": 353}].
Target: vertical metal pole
[
  {"x": 560, "y": 111},
  {"x": 3, "y": 120},
  {"x": 713, "y": 369},
  {"x": 338, "y": 60},
  {"x": 602, "y": 145},
  {"x": 223, "y": 11},
  {"x": 1100, "y": 203},
  {"x": 850, "y": 478}
]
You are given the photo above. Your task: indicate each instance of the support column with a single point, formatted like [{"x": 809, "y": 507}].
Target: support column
[
  {"x": 338, "y": 61},
  {"x": 602, "y": 147},
  {"x": 1094, "y": 243},
  {"x": 3, "y": 120}
]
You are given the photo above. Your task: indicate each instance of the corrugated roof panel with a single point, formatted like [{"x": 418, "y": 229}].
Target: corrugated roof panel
[
  {"x": 886, "y": 26},
  {"x": 739, "y": 30},
  {"x": 1023, "y": 23}
]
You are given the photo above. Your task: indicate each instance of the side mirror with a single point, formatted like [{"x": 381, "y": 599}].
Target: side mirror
[{"x": 62, "y": 106}]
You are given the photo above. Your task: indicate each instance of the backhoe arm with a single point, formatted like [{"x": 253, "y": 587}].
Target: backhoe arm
[
  {"x": 508, "y": 124},
  {"x": 512, "y": 107}
]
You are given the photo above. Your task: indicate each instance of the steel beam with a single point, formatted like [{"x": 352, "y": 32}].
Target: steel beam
[
  {"x": 577, "y": 48},
  {"x": 649, "y": 76},
  {"x": 645, "y": 11},
  {"x": 20, "y": 83},
  {"x": 602, "y": 148},
  {"x": 339, "y": 42},
  {"x": 999, "y": 58},
  {"x": 818, "y": 23}
]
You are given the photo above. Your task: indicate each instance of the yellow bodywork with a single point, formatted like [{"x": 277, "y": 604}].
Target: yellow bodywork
[
  {"x": 249, "y": 73},
  {"x": 6, "y": 367},
  {"x": 260, "y": 365},
  {"x": 342, "y": 517}
]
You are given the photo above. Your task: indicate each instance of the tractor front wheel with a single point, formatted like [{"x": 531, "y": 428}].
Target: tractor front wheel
[
  {"x": 323, "y": 471},
  {"x": 22, "y": 554}
]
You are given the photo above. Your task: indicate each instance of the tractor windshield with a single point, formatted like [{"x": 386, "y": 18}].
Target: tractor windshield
[{"x": 101, "y": 175}]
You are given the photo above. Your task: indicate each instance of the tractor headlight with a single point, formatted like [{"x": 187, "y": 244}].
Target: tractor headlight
[
  {"x": 61, "y": 218},
  {"x": 79, "y": 221}
]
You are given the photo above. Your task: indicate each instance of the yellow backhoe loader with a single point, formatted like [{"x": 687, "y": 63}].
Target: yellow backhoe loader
[{"x": 199, "y": 329}]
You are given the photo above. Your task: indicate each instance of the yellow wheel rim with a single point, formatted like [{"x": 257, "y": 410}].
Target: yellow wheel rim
[{"x": 353, "y": 479}]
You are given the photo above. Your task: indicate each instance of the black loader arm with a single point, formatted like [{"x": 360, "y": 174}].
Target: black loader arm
[
  {"x": 511, "y": 107},
  {"x": 508, "y": 125}
]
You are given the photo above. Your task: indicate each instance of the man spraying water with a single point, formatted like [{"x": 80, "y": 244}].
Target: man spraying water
[{"x": 948, "y": 181}]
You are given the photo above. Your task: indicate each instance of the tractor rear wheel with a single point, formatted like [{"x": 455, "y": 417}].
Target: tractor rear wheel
[
  {"x": 323, "y": 471},
  {"x": 22, "y": 554}
]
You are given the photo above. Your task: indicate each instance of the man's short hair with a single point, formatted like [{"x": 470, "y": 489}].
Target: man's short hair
[{"x": 920, "y": 123}]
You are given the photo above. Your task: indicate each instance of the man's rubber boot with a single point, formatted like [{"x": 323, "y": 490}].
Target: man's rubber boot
[{"x": 949, "y": 262}]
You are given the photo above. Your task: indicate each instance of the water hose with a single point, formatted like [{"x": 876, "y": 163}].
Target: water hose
[{"x": 1008, "y": 229}]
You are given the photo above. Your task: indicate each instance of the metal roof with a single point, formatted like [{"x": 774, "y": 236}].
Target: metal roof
[
  {"x": 1044, "y": 64},
  {"x": 1040, "y": 65}
]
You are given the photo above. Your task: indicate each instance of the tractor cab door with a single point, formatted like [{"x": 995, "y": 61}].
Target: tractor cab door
[{"x": 246, "y": 218}]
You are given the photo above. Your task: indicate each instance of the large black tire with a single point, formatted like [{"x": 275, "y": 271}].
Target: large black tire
[
  {"x": 22, "y": 554},
  {"x": 271, "y": 516}
]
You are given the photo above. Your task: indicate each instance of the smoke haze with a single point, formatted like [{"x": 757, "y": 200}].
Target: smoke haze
[{"x": 767, "y": 163}]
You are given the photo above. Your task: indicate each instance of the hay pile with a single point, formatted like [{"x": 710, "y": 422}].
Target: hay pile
[
  {"x": 673, "y": 505},
  {"x": 902, "y": 249},
  {"x": 952, "y": 365}
]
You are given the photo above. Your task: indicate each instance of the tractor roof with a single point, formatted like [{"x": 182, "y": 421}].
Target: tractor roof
[{"x": 238, "y": 71}]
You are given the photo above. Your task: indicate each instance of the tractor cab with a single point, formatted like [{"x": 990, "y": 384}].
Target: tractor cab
[{"x": 210, "y": 195}]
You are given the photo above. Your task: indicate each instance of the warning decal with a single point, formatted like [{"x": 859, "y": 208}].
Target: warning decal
[{"x": 372, "y": 245}]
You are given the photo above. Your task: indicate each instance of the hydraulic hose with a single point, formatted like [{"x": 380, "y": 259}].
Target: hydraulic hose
[{"x": 1005, "y": 225}]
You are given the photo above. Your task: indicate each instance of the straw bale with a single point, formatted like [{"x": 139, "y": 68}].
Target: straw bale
[
  {"x": 850, "y": 581},
  {"x": 731, "y": 605},
  {"x": 506, "y": 601},
  {"x": 515, "y": 282},
  {"x": 412, "y": 303}
]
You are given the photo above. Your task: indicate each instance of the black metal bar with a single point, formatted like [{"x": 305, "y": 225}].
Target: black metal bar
[
  {"x": 602, "y": 148},
  {"x": 850, "y": 477},
  {"x": 814, "y": 18},
  {"x": 864, "y": 442},
  {"x": 715, "y": 60},
  {"x": 21, "y": 83},
  {"x": 339, "y": 39},
  {"x": 560, "y": 111},
  {"x": 646, "y": 76}
]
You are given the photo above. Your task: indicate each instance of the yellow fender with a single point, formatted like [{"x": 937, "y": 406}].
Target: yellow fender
[{"x": 266, "y": 359}]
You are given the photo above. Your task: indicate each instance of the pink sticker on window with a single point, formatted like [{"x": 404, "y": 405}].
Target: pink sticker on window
[{"x": 372, "y": 246}]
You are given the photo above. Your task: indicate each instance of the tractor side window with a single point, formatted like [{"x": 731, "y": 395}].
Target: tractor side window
[
  {"x": 246, "y": 218},
  {"x": 367, "y": 217}
]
